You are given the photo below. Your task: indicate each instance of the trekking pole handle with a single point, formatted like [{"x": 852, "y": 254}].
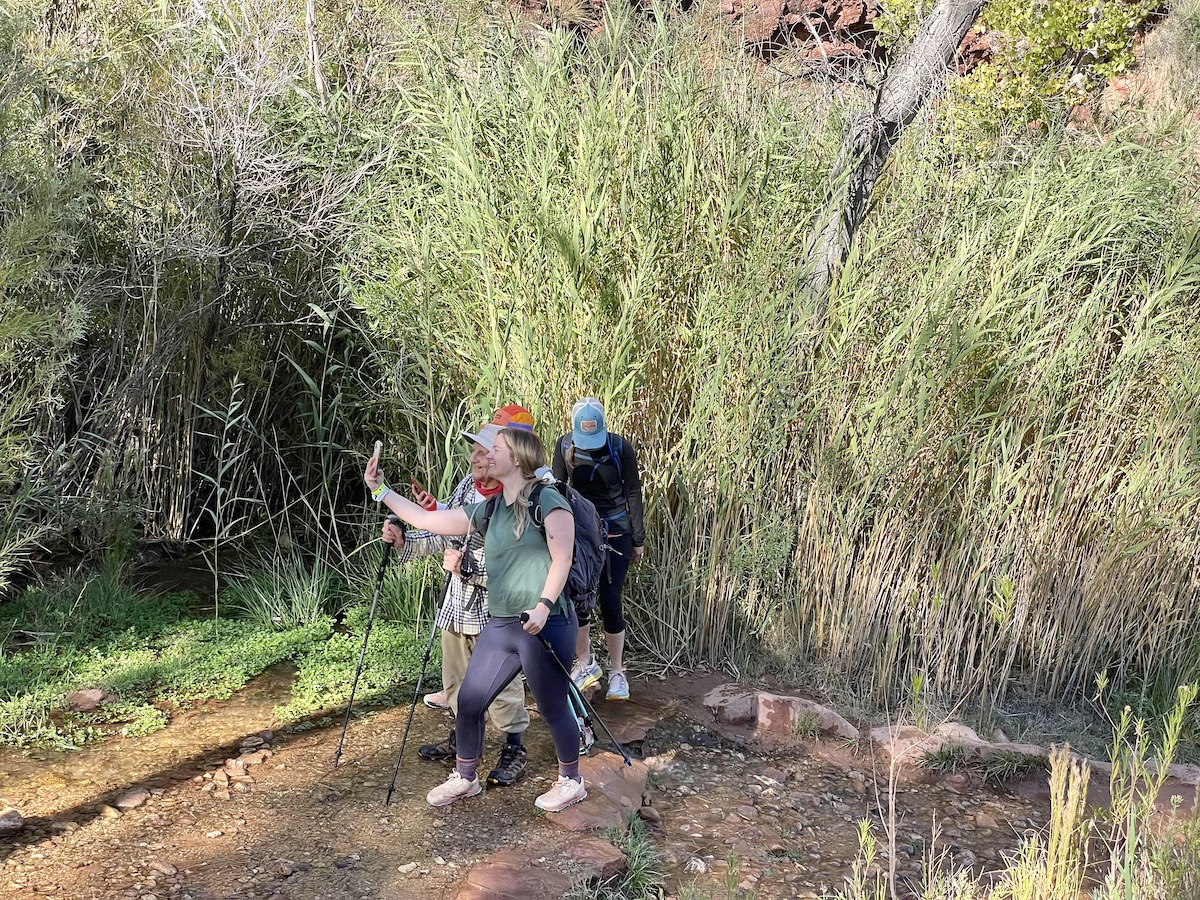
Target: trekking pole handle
[
  {"x": 545, "y": 643},
  {"x": 394, "y": 519}
]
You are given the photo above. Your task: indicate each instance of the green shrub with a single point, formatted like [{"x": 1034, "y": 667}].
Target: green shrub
[
  {"x": 898, "y": 19},
  {"x": 1049, "y": 56},
  {"x": 1053, "y": 56},
  {"x": 644, "y": 875},
  {"x": 409, "y": 595},
  {"x": 78, "y": 609},
  {"x": 134, "y": 719},
  {"x": 41, "y": 215},
  {"x": 390, "y": 668},
  {"x": 141, "y": 649},
  {"x": 1072, "y": 44},
  {"x": 288, "y": 593},
  {"x": 42, "y": 311},
  {"x": 25, "y": 721}
]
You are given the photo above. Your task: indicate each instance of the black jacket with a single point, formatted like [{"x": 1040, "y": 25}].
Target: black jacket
[{"x": 613, "y": 485}]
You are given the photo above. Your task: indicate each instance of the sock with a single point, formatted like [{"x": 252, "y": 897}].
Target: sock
[
  {"x": 514, "y": 738},
  {"x": 570, "y": 770},
  {"x": 467, "y": 767}
]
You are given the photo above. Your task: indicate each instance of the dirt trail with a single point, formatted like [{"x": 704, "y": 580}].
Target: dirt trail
[{"x": 733, "y": 820}]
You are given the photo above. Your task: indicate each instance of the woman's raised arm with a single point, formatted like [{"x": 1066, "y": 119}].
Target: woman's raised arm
[{"x": 439, "y": 521}]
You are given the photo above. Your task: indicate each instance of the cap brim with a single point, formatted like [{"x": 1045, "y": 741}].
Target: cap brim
[
  {"x": 482, "y": 439},
  {"x": 589, "y": 441}
]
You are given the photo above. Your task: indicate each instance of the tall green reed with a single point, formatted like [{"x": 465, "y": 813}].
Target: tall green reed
[
  {"x": 982, "y": 473},
  {"x": 1023, "y": 425},
  {"x": 607, "y": 223}
]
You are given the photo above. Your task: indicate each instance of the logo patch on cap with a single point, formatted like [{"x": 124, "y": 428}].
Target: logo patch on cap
[{"x": 589, "y": 426}]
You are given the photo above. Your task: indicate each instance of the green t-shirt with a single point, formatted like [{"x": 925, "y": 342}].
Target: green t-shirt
[{"x": 516, "y": 567}]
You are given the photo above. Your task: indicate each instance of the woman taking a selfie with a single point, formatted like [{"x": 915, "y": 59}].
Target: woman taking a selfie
[{"x": 529, "y": 557}]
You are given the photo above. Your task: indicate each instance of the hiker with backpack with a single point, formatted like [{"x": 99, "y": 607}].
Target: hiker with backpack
[
  {"x": 464, "y": 609},
  {"x": 529, "y": 551},
  {"x": 603, "y": 467}
]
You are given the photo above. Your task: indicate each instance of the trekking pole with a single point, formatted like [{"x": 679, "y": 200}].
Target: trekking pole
[
  {"x": 417, "y": 692},
  {"x": 578, "y": 695},
  {"x": 362, "y": 652},
  {"x": 587, "y": 736}
]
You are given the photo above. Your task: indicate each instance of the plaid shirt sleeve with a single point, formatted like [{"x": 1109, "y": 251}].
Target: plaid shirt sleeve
[{"x": 465, "y": 609}]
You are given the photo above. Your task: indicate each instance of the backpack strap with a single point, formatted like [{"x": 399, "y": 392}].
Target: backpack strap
[
  {"x": 565, "y": 446},
  {"x": 616, "y": 446},
  {"x": 489, "y": 507},
  {"x": 535, "y": 507}
]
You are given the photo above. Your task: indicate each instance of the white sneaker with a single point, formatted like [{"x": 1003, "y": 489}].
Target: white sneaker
[
  {"x": 618, "y": 687},
  {"x": 565, "y": 792},
  {"x": 437, "y": 700},
  {"x": 453, "y": 788}
]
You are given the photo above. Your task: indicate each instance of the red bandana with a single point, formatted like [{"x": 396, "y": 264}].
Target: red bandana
[{"x": 495, "y": 488}]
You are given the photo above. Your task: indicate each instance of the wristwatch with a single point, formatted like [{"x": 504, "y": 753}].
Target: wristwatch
[{"x": 549, "y": 603}]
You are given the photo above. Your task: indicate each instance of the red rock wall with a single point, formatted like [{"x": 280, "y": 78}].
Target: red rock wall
[
  {"x": 842, "y": 28},
  {"x": 835, "y": 33}
]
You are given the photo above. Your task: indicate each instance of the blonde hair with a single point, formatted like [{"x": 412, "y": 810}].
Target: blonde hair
[{"x": 529, "y": 453}]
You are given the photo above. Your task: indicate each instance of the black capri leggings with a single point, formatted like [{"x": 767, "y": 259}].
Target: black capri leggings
[
  {"x": 503, "y": 649},
  {"x": 612, "y": 580}
]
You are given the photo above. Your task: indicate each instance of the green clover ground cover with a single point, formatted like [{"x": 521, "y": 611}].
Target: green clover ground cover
[{"x": 154, "y": 655}]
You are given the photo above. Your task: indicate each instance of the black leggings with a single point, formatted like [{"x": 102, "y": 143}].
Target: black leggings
[
  {"x": 504, "y": 649},
  {"x": 612, "y": 579}
]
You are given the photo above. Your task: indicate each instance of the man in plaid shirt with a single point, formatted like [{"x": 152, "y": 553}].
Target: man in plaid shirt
[{"x": 464, "y": 612}]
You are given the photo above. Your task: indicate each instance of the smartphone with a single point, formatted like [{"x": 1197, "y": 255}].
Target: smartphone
[{"x": 417, "y": 491}]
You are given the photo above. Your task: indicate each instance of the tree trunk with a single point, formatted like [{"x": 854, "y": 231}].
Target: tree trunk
[{"x": 908, "y": 85}]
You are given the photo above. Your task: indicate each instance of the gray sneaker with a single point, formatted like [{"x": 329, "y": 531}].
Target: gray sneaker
[{"x": 585, "y": 676}]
